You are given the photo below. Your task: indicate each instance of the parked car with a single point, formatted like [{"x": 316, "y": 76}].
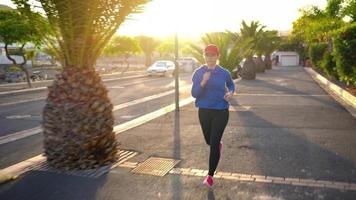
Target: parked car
[
  {"x": 38, "y": 75},
  {"x": 161, "y": 67}
]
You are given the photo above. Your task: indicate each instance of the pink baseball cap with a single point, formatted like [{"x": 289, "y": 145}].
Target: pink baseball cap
[{"x": 212, "y": 48}]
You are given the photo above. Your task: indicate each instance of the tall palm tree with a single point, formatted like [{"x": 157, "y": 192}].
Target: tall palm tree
[
  {"x": 271, "y": 41},
  {"x": 250, "y": 32},
  {"x": 148, "y": 46},
  {"x": 260, "y": 42},
  {"x": 77, "y": 118},
  {"x": 124, "y": 47},
  {"x": 230, "y": 45}
]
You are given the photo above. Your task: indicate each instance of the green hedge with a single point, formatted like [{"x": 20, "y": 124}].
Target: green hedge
[
  {"x": 345, "y": 53},
  {"x": 316, "y": 52},
  {"x": 328, "y": 65}
]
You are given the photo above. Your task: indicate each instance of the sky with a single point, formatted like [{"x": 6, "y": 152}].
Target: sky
[{"x": 193, "y": 17}]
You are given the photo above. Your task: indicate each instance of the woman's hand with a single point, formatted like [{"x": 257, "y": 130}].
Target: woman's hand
[
  {"x": 206, "y": 77},
  {"x": 228, "y": 96}
]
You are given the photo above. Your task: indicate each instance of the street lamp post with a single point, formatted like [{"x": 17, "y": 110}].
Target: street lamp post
[{"x": 176, "y": 74}]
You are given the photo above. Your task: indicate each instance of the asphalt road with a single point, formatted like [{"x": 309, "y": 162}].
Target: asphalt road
[{"x": 23, "y": 111}]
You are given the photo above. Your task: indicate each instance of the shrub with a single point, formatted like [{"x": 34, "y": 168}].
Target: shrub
[
  {"x": 328, "y": 65},
  {"x": 345, "y": 53},
  {"x": 316, "y": 52},
  {"x": 15, "y": 68}
]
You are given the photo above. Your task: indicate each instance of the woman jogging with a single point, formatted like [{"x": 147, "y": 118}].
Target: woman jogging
[{"x": 213, "y": 89}]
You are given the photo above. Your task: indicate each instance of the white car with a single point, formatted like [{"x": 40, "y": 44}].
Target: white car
[{"x": 161, "y": 67}]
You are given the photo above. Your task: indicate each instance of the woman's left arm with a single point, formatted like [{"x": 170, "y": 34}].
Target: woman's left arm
[
  {"x": 230, "y": 84},
  {"x": 231, "y": 88}
]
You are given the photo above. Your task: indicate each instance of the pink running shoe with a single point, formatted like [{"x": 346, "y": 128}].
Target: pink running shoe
[
  {"x": 220, "y": 148},
  {"x": 208, "y": 181}
]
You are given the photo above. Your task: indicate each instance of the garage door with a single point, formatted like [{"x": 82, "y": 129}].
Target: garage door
[{"x": 289, "y": 60}]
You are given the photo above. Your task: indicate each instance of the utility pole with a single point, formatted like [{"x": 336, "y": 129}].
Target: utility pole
[{"x": 176, "y": 74}]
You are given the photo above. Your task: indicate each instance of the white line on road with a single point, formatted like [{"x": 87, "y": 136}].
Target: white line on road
[
  {"x": 108, "y": 87},
  {"x": 44, "y": 88},
  {"x": 19, "y": 135},
  {"x": 46, "y": 81},
  {"x": 285, "y": 95},
  {"x": 150, "y": 116},
  {"x": 24, "y": 90},
  {"x": 33, "y": 131},
  {"x": 22, "y": 101},
  {"x": 137, "y": 101}
]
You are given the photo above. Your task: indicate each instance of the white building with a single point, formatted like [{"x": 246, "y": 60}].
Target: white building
[{"x": 286, "y": 58}]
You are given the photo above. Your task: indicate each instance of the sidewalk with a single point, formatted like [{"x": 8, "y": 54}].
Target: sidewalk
[{"x": 286, "y": 139}]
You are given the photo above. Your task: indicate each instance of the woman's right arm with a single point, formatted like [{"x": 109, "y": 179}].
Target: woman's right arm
[{"x": 197, "y": 89}]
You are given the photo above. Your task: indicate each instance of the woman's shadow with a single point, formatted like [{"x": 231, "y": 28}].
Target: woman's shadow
[{"x": 211, "y": 195}]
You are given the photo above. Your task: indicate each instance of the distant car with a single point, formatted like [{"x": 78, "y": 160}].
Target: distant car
[
  {"x": 161, "y": 67},
  {"x": 188, "y": 64}
]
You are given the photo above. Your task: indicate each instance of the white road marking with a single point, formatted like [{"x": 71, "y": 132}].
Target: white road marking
[
  {"x": 26, "y": 133},
  {"x": 149, "y": 98},
  {"x": 109, "y": 87},
  {"x": 23, "y": 101},
  {"x": 115, "y": 87},
  {"x": 283, "y": 95},
  {"x": 18, "y": 116},
  {"x": 19, "y": 135},
  {"x": 44, "y": 88}
]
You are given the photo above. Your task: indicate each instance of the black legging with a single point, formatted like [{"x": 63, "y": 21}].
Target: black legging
[{"x": 213, "y": 123}]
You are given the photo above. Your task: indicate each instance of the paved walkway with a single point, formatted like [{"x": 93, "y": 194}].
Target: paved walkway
[{"x": 286, "y": 139}]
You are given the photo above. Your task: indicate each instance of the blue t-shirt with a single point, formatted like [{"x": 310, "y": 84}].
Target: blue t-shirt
[{"x": 211, "y": 96}]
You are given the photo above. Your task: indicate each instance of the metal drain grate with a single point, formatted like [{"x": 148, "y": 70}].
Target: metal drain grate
[
  {"x": 124, "y": 155},
  {"x": 156, "y": 166}
]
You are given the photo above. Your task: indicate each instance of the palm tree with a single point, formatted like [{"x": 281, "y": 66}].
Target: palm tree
[
  {"x": 260, "y": 42},
  {"x": 77, "y": 118},
  {"x": 270, "y": 43},
  {"x": 267, "y": 42},
  {"x": 148, "y": 46},
  {"x": 122, "y": 46},
  {"x": 230, "y": 45},
  {"x": 252, "y": 33}
]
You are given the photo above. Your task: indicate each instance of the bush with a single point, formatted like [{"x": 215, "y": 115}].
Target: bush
[
  {"x": 328, "y": 65},
  {"x": 15, "y": 68},
  {"x": 316, "y": 52},
  {"x": 345, "y": 53}
]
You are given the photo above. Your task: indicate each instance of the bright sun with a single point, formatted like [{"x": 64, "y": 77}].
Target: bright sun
[{"x": 194, "y": 17}]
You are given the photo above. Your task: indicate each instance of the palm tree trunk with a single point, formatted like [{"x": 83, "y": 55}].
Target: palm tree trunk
[
  {"x": 248, "y": 71},
  {"x": 148, "y": 59},
  {"x": 127, "y": 63},
  {"x": 27, "y": 75},
  {"x": 260, "y": 65},
  {"x": 268, "y": 61},
  {"x": 78, "y": 121}
]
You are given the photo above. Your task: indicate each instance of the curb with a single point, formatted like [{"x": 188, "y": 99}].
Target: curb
[{"x": 339, "y": 94}]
